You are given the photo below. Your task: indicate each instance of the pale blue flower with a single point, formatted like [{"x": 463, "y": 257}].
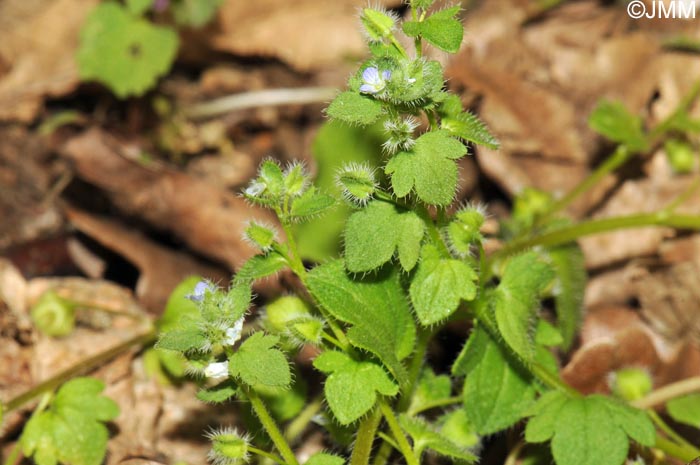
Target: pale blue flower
[
  {"x": 255, "y": 189},
  {"x": 374, "y": 80},
  {"x": 200, "y": 290}
]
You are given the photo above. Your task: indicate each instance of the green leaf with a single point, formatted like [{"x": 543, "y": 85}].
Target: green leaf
[
  {"x": 430, "y": 388},
  {"x": 195, "y": 13},
  {"x": 440, "y": 29},
  {"x": 377, "y": 308},
  {"x": 183, "y": 340},
  {"x": 516, "y": 301},
  {"x": 310, "y": 204},
  {"x": 569, "y": 287},
  {"x": 456, "y": 427},
  {"x": 138, "y": 7},
  {"x": 497, "y": 391},
  {"x": 375, "y": 232},
  {"x": 125, "y": 53},
  {"x": 469, "y": 127},
  {"x": 363, "y": 379},
  {"x": 325, "y": 459},
  {"x": 587, "y": 430},
  {"x": 429, "y": 167},
  {"x": 70, "y": 430},
  {"x": 439, "y": 285},
  {"x": 547, "y": 335},
  {"x": 336, "y": 143},
  {"x": 258, "y": 363},
  {"x": 685, "y": 409},
  {"x": 612, "y": 120},
  {"x": 261, "y": 266},
  {"x": 353, "y": 108},
  {"x": 219, "y": 393},
  {"x": 425, "y": 436}
]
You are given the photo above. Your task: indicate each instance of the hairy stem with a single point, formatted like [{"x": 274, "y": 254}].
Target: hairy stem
[
  {"x": 396, "y": 431},
  {"x": 435, "y": 404},
  {"x": 270, "y": 426},
  {"x": 84, "y": 366},
  {"x": 365, "y": 438}
]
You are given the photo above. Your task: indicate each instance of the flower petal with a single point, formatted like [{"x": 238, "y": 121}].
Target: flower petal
[{"x": 371, "y": 75}]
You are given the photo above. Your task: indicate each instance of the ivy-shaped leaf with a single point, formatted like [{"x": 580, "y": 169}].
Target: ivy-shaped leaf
[
  {"x": 569, "y": 287},
  {"x": 590, "y": 430},
  {"x": 429, "y": 167},
  {"x": 375, "y": 232},
  {"x": 441, "y": 29},
  {"x": 126, "y": 53},
  {"x": 258, "y": 363},
  {"x": 351, "y": 388},
  {"x": 375, "y": 306},
  {"x": 614, "y": 121},
  {"x": 516, "y": 301},
  {"x": 425, "y": 436},
  {"x": 353, "y": 108},
  {"x": 439, "y": 285},
  {"x": 497, "y": 392},
  {"x": 71, "y": 429}
]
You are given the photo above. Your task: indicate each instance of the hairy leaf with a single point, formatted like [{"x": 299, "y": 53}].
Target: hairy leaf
[
  {"x": 375, "y": 306},
  {"x": 353, "y": 108},
  {"x": 569, "y": 287},
  {"x": 439, "y": 285},
  {"x": 441, "y": 29},
  {"x": 590, "y": 430},
  {"x": 516, "y": 301},
  {"x": 126, "y": 53},
  {"x": 497, "y": 392},
  {"x": 218, "y": 394},
  {"x": 430, "y": 388},
  {"x": 375, "y": 232},
  {"x": 469, "y": 127},
  {"x": 311, "y": 203},
  {"x": 261, "y": 266},
  {"x": 429, "y": 168},
  {"x": 351, "y": 388},
  {"x": 258, "y": 363}
]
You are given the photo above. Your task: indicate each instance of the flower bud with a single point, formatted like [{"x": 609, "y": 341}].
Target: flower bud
[
  {"x": 261, "y": 236},
  {"x": 680, "y": 156},
  {"x": 295, "y": 180},
  {"x": 400, "y": 134},
  {"x": 357, "y": 182},
  {"x": 631, "y": 383},
  {"x": 378, "y": 24},
  {"x": 53, "y": 316},
  {"x": 227, "y": 447}
]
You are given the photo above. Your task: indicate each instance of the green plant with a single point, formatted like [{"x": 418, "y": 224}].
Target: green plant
[
  {"x": 409, "y": 266},
  {"x": 125, "y": 51}
]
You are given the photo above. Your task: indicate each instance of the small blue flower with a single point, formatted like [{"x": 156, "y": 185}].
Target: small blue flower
[
  {"x": 374, "y": 81},
  {"x": 200, "y": 290}
]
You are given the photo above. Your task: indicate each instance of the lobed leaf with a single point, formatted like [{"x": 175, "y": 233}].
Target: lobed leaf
[
  {"x": 353, "y": 108},
  {"x": 363, "y": 379},
  {"x": 373, "y": 234},
  {"x": 258, "y": 363},
  {"x": 441, "y": 29}
]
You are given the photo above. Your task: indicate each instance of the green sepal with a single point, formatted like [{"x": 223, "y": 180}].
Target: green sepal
[
  {"x": 353, "y": 108},
  {"x": 441, "y": 29},
  {"x": 258, "y": 363},
  {"x": 516, "y": 301},
  {"x": 377, "y": 23},
  {"x": 614, "y": 121},
  {"x": 425, "y": 436},
  {"x": 469, "y": 127},
  {"x": 310, "y": 204},
  {"x": 126, "y": 53},
  {"x": 363, "y": 379},
  {"x": 261, "y": 266},
  {"x": 271, "y": 175},
  {"x": 373, "y": 234},
  {"x": 439, "y": 285},
  {"x": 218, "y": 394},
  {"x": 497, "y": 390}
]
